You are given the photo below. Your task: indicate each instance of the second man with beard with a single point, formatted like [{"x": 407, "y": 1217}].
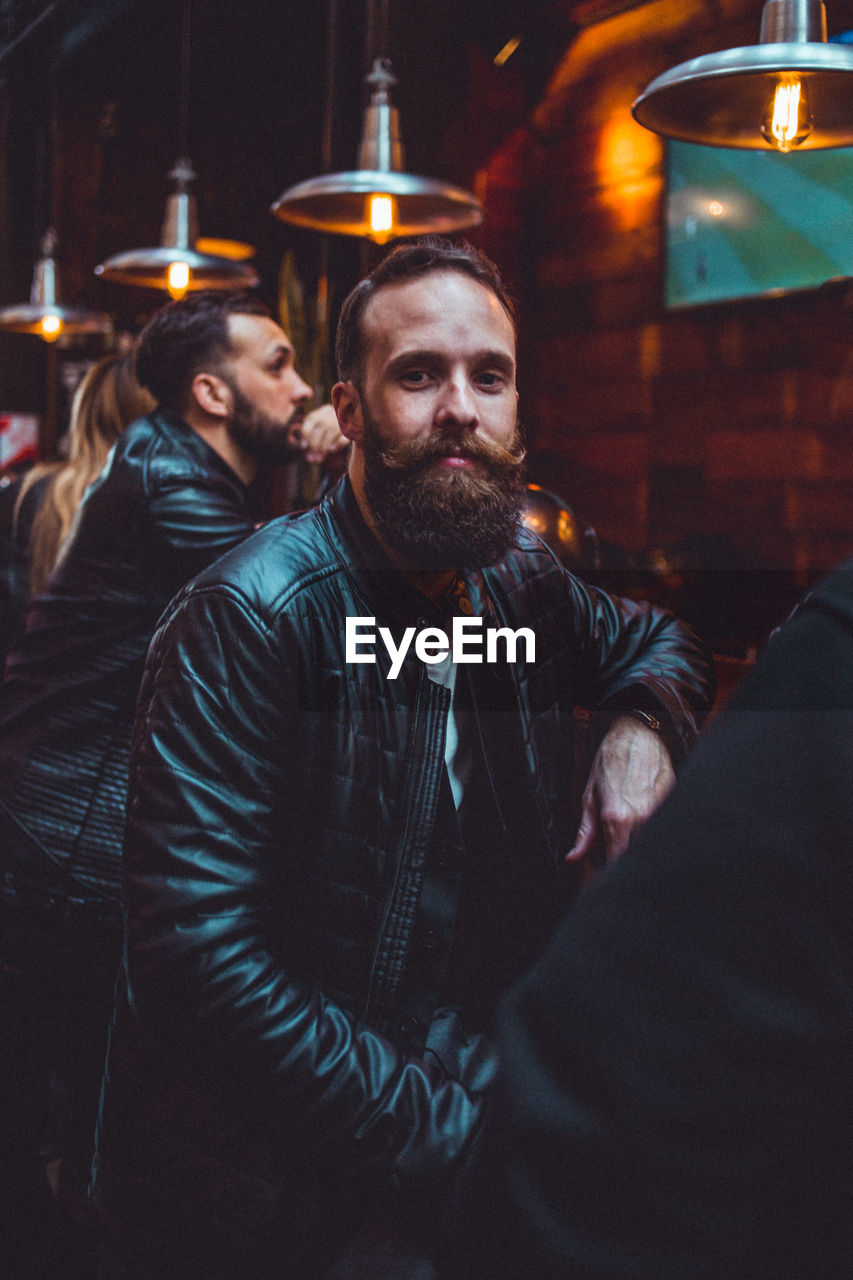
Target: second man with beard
[{"x": 333, "y": 874}]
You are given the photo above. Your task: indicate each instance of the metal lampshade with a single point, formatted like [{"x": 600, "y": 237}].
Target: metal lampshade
[
  {"x": 44, "y": 315},
  {"x": 727, "y": 99},
  {"x": 378, "y": 199},
  {"x": 176, "y": 264}
]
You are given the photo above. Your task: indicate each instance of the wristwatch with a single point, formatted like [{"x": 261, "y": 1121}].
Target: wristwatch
[{"x": 645, "y": 717}]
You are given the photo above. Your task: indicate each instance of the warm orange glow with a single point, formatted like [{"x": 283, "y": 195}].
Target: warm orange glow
[
  {"x": 51, "y": 327},
  {"x": 716, "y": 209},
  {"x": 234, "y": 250},
  {"x": 380, "y": 215},
  {"x": 787, "y": 119},
  {"x": 628, "y": 166},
  {"x": 507, "y": 51},
  {"x": 177, "y": 279}
]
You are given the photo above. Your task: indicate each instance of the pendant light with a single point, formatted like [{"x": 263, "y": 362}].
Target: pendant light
[
  {"x": 791, "y": 90},
  {"x": 379, "y": 199},
  {"x": 176, "y": 264},
  {"x": 44, "y": 315}
]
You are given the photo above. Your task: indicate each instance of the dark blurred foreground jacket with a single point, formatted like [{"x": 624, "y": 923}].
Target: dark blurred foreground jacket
[
  {"x": 306, "y": 936},
  {"x": 677, "y": 1102}
]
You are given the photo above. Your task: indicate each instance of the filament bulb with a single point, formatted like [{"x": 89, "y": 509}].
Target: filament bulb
[
  {"x": 380, "y": 215},
  {"x": 50, "y": 327},
  {"x": 178, "y": 279},
  {"x": 787, "y": 122}
]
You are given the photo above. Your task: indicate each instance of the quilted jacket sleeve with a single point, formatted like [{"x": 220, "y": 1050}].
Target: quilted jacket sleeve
[
  {"x": 208, "y": 864},
  {"x": 195, "y": 517},
  {"x": 637, "y": 656}
]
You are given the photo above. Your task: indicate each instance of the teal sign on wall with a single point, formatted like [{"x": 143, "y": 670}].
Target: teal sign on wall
[{"x": 741, "y": 223}]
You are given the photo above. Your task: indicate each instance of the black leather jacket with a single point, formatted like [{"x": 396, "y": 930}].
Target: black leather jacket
[
  {"x": 282, "y": 805},
  {"x": 165, "y": 506}
]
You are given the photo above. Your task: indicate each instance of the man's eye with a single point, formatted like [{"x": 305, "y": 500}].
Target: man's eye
[
  {"x": 416, "y": 377},
  {"x": 490, "y": 379}
]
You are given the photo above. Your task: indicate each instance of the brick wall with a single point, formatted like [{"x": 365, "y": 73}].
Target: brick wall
[{"x": 721, "y": 433}]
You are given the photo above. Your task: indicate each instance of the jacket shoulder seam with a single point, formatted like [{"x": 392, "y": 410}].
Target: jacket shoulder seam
[{"x": 267, "y": 614}]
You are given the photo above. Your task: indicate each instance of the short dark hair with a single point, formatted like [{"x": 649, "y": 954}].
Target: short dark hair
[
  {"x": 406, "y": 262},
  {"x": 188, "y": 337}
]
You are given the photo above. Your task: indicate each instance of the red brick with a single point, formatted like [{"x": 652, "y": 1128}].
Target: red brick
[
  {"x": 827, "y": 508},
  {"x": 763, "y": 454},
  {"x": 578, "y": 406}
]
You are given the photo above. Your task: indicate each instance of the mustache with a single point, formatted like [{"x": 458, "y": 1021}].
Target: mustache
[{"x": 411, "y": 455}]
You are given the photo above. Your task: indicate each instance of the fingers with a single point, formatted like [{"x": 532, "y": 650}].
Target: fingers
[
  {"x": 321, "y": 434},
  {"x": 587, "y": 833},
  {"x": 617, "y": 830},
  {"x": 615, "y": 824}
]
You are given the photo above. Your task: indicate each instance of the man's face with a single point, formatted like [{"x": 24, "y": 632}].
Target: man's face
[
  {"x": 437, "y": 421},
  {"x": 269, "y": 398}
]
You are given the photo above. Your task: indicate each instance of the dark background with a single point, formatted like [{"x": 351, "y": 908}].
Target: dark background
[
  {"x": 90, "y": 120},
  {"x": 712, "y": 448}
]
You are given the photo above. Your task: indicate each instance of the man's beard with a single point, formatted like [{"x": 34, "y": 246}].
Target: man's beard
[
  {"x": 443, "y": 517},
  {"x": 267, "y": 440}
]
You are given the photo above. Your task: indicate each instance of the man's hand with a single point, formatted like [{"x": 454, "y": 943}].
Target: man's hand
[
  {"x": 630, "y": 776},
  {"x": 320, "y": 434}
]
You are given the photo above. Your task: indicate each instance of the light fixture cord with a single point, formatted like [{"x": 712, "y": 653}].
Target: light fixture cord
[
  {"x": 184, "y": 116},
  {"x": 376, "y": 32},
  {"x": 329, "y": 95},
  {"x": 9, "y": 48}
]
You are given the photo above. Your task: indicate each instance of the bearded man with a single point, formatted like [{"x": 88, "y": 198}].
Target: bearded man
[{"x": 336, "y": 864}]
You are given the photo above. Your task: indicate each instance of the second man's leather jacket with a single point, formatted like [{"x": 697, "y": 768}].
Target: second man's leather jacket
[{"x": 165, "y": 506}]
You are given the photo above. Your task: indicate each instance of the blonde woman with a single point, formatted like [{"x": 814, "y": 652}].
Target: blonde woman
[{"x": 107, "y": 400}]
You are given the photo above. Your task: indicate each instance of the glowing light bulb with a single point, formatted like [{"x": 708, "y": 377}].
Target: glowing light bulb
[
  {"x": 51, "y": 327},
  {"x": 507, "y": 51},
  {"x": 380, "y": 215},
  {"x": 787, "y": 121},
  {"x": 177, "y": 279}
]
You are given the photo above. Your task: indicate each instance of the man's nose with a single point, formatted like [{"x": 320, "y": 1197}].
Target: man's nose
[
  {"x": 457, "y": 406},
  {"x": 302, "y": 391}
]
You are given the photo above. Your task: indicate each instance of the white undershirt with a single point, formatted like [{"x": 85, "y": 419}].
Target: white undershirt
[{"x": 457, "y": 743}]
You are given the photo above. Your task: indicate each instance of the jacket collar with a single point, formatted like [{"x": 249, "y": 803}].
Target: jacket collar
[
  {"x": 172, "y": 425},
  {"x": 255, "y": 498}
]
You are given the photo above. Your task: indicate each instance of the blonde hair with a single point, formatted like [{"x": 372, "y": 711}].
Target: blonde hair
[{"x": 107, "y": 400}]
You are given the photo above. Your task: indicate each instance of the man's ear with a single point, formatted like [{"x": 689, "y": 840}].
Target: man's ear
[
  {"x": 212, "y": 395},
  {"x": 347, "y": 405}
]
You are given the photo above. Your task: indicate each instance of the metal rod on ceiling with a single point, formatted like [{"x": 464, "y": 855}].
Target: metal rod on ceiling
[
  {"x": 321, "y": 306},
  {"x": 10, "y": 48},
  {"x": 184, "y": 109},
  {"x": 329, "y": 98},
  {"x": 376, "y": 43}
]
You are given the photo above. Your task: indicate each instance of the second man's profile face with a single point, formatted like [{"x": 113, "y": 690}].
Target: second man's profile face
[{"x": 269, "y": 397}]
